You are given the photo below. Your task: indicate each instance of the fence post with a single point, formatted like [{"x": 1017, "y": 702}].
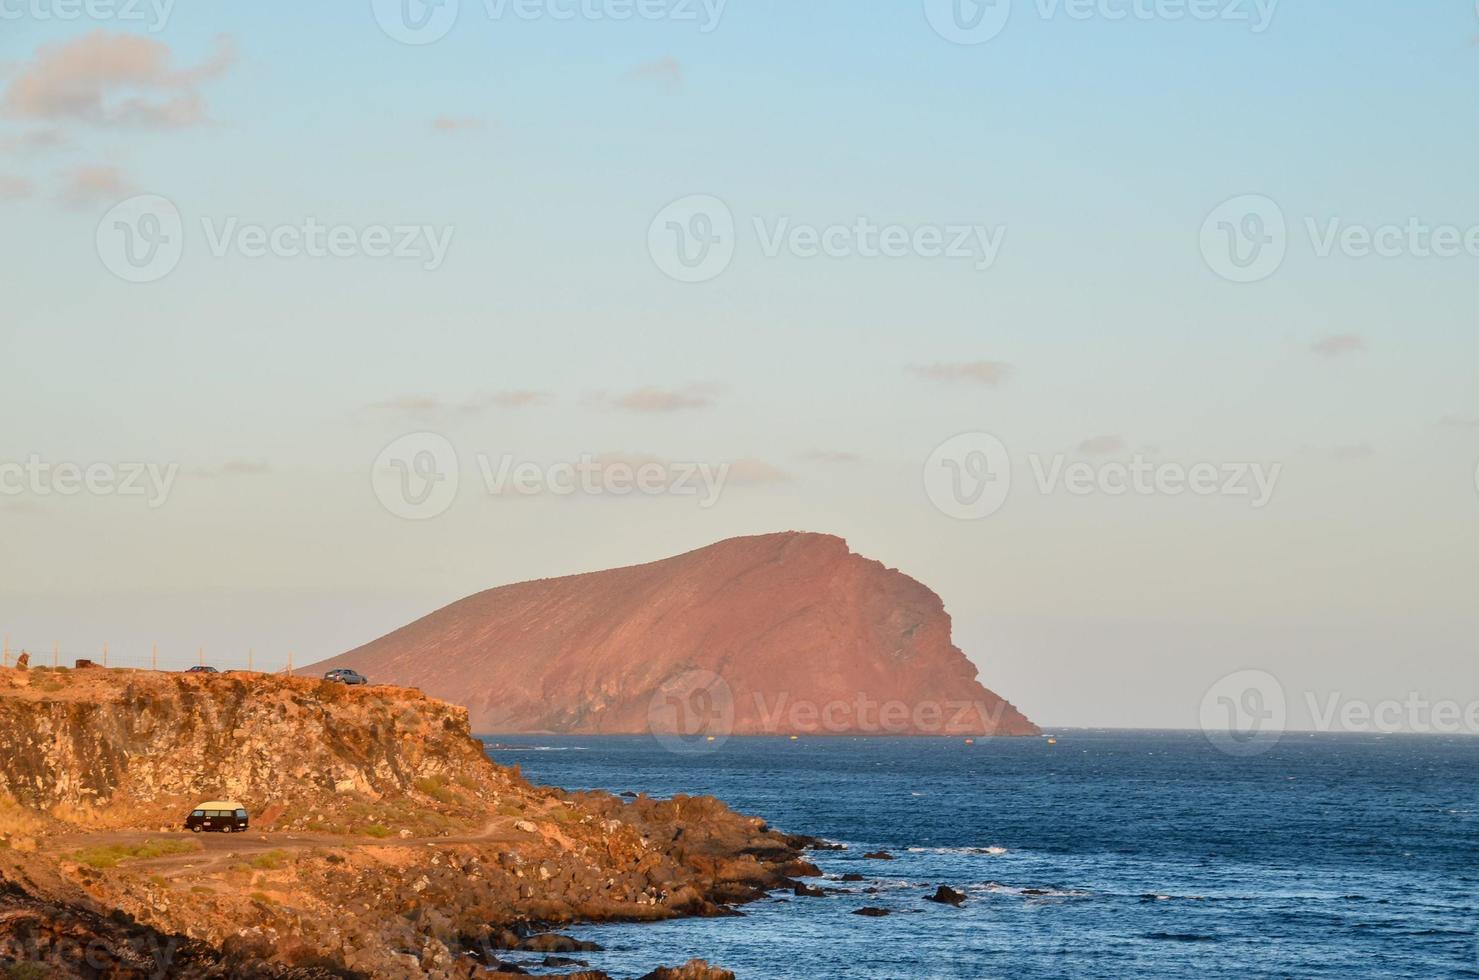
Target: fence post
[
  {"x": 290, "y": 663},
  {"x": 56, "y": 654},
  {"x": 250, "y": 653},
  {"x": 200, "y": 653},
  {"x": 105, "y": 655},
  {"x": 154, "y": 657},
  {"x": 7, "y": 649}
]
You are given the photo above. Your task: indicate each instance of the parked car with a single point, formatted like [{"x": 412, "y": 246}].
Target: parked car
[
  {"x": 201, "y": 669},
  {"x": 226, "y": 816},
  {"x": 343, "y": 675}
]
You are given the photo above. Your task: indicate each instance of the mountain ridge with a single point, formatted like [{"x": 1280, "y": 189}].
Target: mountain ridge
[{"x": 784, "y": 633}]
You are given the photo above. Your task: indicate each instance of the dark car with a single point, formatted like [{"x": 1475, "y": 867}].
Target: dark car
[
  {"x": 201, "y": 669},
  {"x": 343, "y": 675},
  {"x": 223, "y": 815}
]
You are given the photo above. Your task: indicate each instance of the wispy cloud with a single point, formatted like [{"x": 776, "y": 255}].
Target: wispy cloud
[
  {"x": 661, "y": 400},
  {"x": 829, "y": 456},
  {"x": 1459, "y": 422},
  {"x": 110, "y": 79},
  {"x": 750, "y": 472},
  {"x": 1102, "y": 445},
  {"x": 457, "y": 124},
  {"x": 34, "y": 141},
  {"x": 88, "y": 186},
  {"x": 409, "y": 406},
  {"x": 233, "y": 468},
  {"x": 15, "y": 188},
  {"x": 992, "y": 374},
  {"x": 1339, "y": 345},
  {"x": 668, "y": 71},
  {"x": 1340, "y": 453},
  {"x": 424, "y": 407}
]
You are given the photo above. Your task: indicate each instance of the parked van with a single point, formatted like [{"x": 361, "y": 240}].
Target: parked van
[{"x": 222, "y": 815}]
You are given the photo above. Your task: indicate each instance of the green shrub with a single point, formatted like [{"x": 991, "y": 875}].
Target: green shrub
[{"x": 109, "y": 855}]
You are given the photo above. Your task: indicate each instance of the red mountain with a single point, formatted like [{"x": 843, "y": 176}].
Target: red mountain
[{"x": 774, "y": 634}]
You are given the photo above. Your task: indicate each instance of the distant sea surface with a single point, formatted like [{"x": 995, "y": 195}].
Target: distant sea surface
[{"x": 1109, "y": 854}]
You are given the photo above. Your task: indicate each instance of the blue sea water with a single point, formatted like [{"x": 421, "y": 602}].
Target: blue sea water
[{"x": 1109, "y": 854}]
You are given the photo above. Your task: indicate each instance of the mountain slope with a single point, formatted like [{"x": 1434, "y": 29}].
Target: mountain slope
[{"x": 773, "y": 634}]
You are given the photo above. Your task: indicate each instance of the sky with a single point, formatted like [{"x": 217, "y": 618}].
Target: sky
[{"x": 599, "y": 235}]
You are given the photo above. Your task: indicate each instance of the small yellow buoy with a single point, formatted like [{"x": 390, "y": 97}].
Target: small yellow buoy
[
  {"x": 1052, "y": 741},
  {"x": 970, "y": 741},
  {"x": 795, "y": 737},
  {"x": 711, "y": 738}
]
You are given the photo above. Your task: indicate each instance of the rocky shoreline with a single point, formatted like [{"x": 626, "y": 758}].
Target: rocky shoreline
[{"x": 389, "y": 846}]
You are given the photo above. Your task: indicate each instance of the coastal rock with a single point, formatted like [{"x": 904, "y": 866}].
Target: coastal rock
[
  {"x": 692, "y": 970},
  {"x": 946, "y": 895},
  {"x": 879, "y": 855},
  {"x": 871, "y": 911},
  {"x": 787, "y": 633}
]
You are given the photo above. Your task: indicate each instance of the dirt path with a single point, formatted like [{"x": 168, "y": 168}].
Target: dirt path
[{"x": 219, "y": 851}]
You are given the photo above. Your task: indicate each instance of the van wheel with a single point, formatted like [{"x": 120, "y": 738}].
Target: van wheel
[{"x": 195, "y": 830}]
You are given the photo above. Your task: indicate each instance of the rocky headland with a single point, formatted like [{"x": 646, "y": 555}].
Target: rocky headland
[
  {"x": 384, "y": 843},
  {"x": 775, "y": 634}
]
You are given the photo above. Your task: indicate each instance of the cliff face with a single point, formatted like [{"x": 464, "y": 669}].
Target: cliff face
[
  {"x": 384, "y": 843},
  {"x": 774, "y": 634},
  {"x": 126, "y": 746}
]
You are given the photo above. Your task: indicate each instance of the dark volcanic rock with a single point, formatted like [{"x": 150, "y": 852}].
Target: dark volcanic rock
[
  {"x": 692, "y": 970},
  {"x": 871, "y": 912},
  {"x": 808, "y": 891},
  {"x": 946, "y": 895},
  {"x": 879, "y": 855}
]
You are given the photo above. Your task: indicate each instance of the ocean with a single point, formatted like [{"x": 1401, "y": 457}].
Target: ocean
[{"x": 1108, "y": 854}]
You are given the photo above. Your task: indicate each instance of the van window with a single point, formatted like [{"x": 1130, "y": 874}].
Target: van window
[
  {"x": 241, "y": 814},
  {"x": 216, "y": 813},
  {"x": 198, "y": 813}
]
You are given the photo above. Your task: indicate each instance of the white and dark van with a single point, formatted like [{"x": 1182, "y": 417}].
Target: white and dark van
[{"x": 222, "y": 815}]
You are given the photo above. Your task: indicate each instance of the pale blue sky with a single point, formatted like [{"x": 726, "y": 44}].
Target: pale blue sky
[{"x": 1100, "y": 146}]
